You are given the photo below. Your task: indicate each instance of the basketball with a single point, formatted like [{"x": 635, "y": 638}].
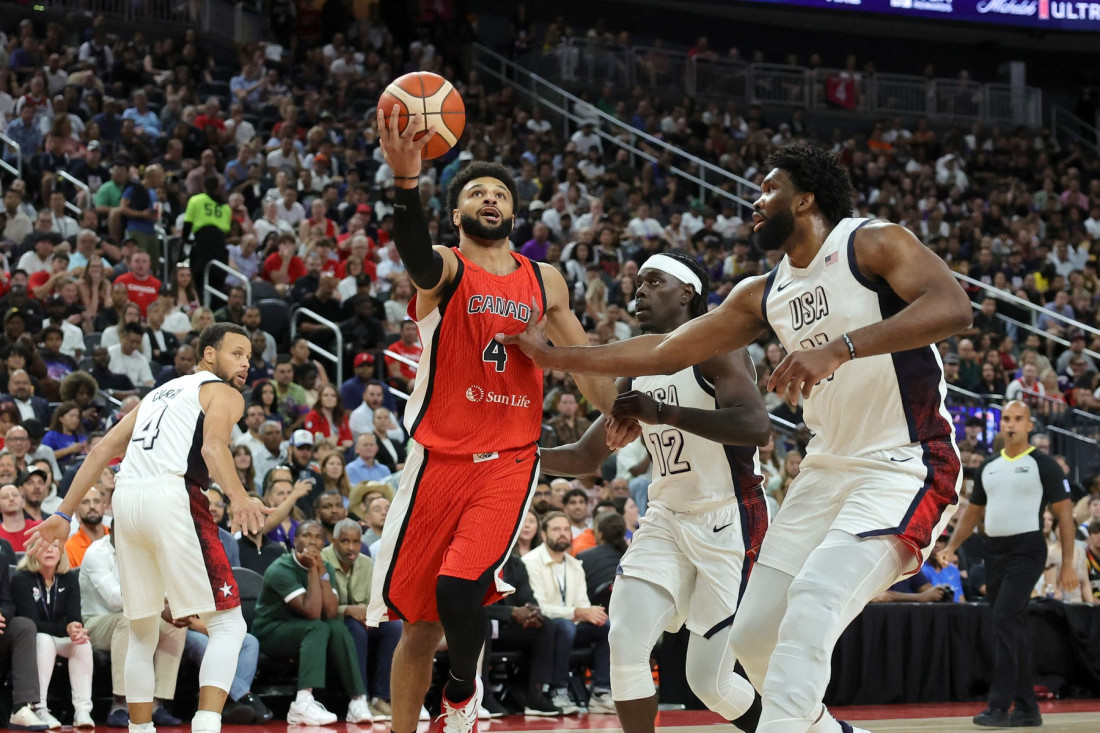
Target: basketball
[{"x": 433, "y": 97}]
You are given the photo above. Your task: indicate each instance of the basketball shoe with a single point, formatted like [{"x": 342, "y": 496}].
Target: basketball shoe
[{"x": 461, "y": 717}]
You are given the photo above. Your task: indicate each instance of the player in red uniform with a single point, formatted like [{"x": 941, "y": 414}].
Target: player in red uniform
[{"x": 475, "y": 415}]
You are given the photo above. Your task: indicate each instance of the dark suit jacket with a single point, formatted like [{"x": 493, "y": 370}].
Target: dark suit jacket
[
  {"x": 40, "y": 405},
  {"x": 67, "y": 605},
  {"x": 514, "y": 573}
]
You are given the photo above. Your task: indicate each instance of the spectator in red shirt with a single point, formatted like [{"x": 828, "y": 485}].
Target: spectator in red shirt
[
  {"x": 327, "y": 420},
  {"x": 212, "y": 117},
  {"x": 402, "y": 374},
  {"x": 282, "y": 266},
  {"x": 141, "y": 286},
  {"x": 15, "y": 521},
  {"x": 317, "y": 225}
]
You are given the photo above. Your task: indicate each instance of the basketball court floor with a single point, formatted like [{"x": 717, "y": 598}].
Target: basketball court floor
[{"x": 1070, "y": 716}]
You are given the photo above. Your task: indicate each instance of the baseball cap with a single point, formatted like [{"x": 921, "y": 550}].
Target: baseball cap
[
  {"x": 363, "y": 358},
  {"x": 465, "y": 155},
  {"x": 320, "y": 158},
  {"x": 951, "y": 359},
  {"x": 363, "y": 209},
  {"x": 301, "y": 437},
  {"x": 536, "y": 205},
  {"x": 93, "y": 145},
  {"x": 1078, "y": 335},
  {"x": 26, "y": 474}
]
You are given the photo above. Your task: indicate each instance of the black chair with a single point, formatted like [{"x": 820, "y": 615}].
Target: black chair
[
  {"x": 275, "y": 319},
  {"x": 91, "y": 340},
  {"x": 249, "y": 583},
  {"x": 263, "y": 290}
]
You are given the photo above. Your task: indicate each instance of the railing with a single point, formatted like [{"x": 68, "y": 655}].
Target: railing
[
  {"x": 82, "y": 186},
  {"x": 404, "y": 360},
  {"x": 17, "y": 169},
  {"x": 675, "y": 73},
  {"x": 232, "y": 20},
  {"x": 1069, "y": 128},
  {"x": 574, "y": 110},
  {"x": 338, "y": 357},
  {"x": 208, "y": 290}
]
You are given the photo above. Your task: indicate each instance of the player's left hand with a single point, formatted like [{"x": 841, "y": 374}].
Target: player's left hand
[
  {"x": 532, "y": 340},
  {"x": 1067, "y": 578},
  {"x": 636, "y": 405},
  {"x": 622, "y": 432},
  {"x": 800, "y": 371},
  {"x": 248, "y": 514},
  {"x": 53, "y": 531}
]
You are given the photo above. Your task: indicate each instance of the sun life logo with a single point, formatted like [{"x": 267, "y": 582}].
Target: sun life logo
[{"x": 475, "y": 393}]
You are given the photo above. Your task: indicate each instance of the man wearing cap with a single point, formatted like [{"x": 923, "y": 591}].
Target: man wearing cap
[
  {"x": 366, "y": 467},
  {"x": 951, "y": 369},
  {"x": 300, "y": 462},
  {"x": 351, "y": 391},
  {"x": 32, "y": 485},
  {"x": 1077, "y": 344}
]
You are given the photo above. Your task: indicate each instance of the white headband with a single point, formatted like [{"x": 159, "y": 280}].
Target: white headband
[{"x": 677, "y": 269}]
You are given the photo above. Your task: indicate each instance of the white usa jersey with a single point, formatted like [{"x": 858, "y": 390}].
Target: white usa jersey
[
  {"x": 167, "y": 437},
  {"x": 870, "y": 404},
  {"x": 691, "y": 473}
]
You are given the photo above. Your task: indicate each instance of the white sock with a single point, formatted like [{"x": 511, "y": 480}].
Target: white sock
[
  {"x": 363, "y": 698},
  {"x": 304, "y": 697},
  {"x": 206, "y": 721},
  {"x": 142, "y": 727}
]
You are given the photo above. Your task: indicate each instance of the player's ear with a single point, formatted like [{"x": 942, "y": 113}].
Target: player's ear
[
  {"x": 805, "y": 202},
  {"x": 456, "y": 217}
]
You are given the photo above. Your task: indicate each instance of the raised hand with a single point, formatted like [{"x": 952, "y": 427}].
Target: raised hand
[{"x": 402, "y": 150}]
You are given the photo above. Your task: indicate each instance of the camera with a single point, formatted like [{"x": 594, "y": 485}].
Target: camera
[{"x": 948, "y": 593}]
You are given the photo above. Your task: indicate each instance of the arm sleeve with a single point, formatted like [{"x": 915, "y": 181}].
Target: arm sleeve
[
  {"x": 977, "y": 494},
  {"x": 1053, "y": 478},
  {"x": 410, "y": 236}
]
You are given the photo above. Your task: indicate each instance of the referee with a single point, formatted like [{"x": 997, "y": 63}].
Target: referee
[
  {"x": 210, "y": 220},
  {"x": 1009, "y": 493}
]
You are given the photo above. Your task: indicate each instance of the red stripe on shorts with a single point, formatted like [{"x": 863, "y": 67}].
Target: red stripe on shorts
[{"x": 222, "y": 583}]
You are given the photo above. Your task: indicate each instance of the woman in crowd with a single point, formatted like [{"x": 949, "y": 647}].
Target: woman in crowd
[
  {"x": 66, "y": 434},
  {"x": 264, "y": 396},
  {"x": 334, "y": 474},
  {"x": 397, "y": 307},
  {"x": 602, "y": 561},
  {"x": 45, "y": 592},
  {"x": 93, "y": 290},
  {"x": 242, "y": 461},
  {"x": 9, "y": 416},
  {"x": 185, "y": 295},
  {"x": 993, "y": 380},
  {"x": 770, "y": 464},
  {"x": 218, "y": 506},
  {"x": 777, "y": 487},
  {"x": 200, "y": 319},
  {"x": 391, "y": 450},
  {"x": 628, "y": 508},
  {"x": 327, "y": 420},
  {"x": 81, "y": 388},
  {"x": 529, "y": 537}
]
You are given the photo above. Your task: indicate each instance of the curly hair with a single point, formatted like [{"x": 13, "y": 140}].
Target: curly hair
[
  {"x": 480, "y": 169},
  {"x": 817, "y": 171},
  {"x": 72, "y": 383},
  {"x": 698, "y": 304}
]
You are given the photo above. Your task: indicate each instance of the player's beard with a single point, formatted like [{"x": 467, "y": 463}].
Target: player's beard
[
  {"x": 777, "y": 229},
  {"x": 224, "y": 374},
  {"x": 472, "y": 227}
]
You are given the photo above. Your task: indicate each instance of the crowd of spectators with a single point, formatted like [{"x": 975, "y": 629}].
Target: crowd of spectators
[{"x": 285, "y": 137}]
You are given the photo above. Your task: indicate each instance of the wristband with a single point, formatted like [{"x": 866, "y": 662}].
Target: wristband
[
  {"x": 63, "y": 515},
  {"x": 850, "y": 345},
  {"x": 405, "y": 178}
]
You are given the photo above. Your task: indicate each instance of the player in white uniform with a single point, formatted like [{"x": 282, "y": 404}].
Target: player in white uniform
[
  {"x": 690, "y": 559},
  {"x": 857, "y": 305},
  {"x": 173, "y": 443}
]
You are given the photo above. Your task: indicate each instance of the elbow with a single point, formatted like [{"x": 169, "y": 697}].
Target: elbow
[{"x": 763, "y": 434}]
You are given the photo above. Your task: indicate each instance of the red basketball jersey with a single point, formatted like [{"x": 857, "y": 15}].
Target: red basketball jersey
[{"x": 472, "y": 394}]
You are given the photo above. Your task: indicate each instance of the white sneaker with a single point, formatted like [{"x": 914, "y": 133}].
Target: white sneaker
[
  {"x": 564, "y": 703},
  {"x": 309, "y": 713},
  {"x": 424, "y": 714},
  {"x": 25, "y": 719},
  {"x": 601, "y": 703},
  {"x": 462, "y": 719},
  {"x": 359, "y": 711},
  {"x": 83, "y": 719},
  {"x": 46, "y": 717}
]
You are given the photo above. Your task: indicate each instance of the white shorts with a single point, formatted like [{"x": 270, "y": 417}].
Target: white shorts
[
  {"x": 167, "y": 544},
  {"x": 909, "y": 492},
  {"x": 702, "y": 559}
]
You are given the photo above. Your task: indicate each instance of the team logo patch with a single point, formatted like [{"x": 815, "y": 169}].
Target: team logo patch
[
  {"x": 475, "y": 393},
  {"x": 482, "y": 457},
  {"x": 1021, "y": 469}
]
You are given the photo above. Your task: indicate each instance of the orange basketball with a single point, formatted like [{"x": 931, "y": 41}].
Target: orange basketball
[{"x": 433, "y": 97}]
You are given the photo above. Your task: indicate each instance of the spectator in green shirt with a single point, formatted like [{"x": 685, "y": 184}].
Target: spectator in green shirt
[
  {"x": 297, "y": 614},
  {"x": 290, "y": 398},
  {"x": 352, "y": 581},
  {"x": 108, "y": 197}
]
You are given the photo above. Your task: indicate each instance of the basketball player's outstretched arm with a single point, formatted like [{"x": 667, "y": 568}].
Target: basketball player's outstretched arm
[
  {"x": 937, "y": 307},
  {"x": 56, "y": 528},
  {"x": 741, "y": 417},
  {"x": 582, "y": 458},
  {"x": 733, "y": 325},
  {"x": 217, "y": 433}
]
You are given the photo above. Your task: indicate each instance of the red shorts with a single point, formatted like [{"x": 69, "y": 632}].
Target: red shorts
[{"x": 457, "y": 516}]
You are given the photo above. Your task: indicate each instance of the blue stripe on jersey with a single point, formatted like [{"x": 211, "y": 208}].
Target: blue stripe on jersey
[
  {"x": 703, "y": 383},
  {"x": 767, "y": 291},
  {"x": 853, "y": 265}
]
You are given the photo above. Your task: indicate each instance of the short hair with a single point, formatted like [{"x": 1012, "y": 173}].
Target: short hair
[
  {"x": 816, "y": 170},
  {"x": 323, "y": 494},
  {"x": 1094, "y": 526},
  {"x": 549, "y": 517},
  {"x": 133, "y": 329},
  {"x": 480, "y": 169},
  {"x": 612, "y": 529},
  {"x": 268, "y": 424},
  {"x": 213, "y": 335},
  {"x": 347, "y": 524},
  {"x": 574, "y": 492},
  {"x": 54, "y": 330}
]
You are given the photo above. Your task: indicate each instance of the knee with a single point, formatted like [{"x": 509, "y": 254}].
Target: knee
[
  {"x": 21, "y": 626},
  {"x": 422, "y": 637},
  {"x": 750, "y": 636}
]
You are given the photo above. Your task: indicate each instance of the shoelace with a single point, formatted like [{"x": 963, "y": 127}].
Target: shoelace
[{"x": 460, "y": 720}]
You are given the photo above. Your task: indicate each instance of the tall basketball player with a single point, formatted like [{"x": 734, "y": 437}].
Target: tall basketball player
[
  {"x": 857, "y": 304},
  {"x": 691, "y": 558},
  {"x": 173, "y": 444},
  {"x": 474, "y": 416}
]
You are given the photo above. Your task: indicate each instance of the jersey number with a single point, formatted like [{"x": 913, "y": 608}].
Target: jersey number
[
  {"x": 666, "y": 451},
  {"x": 148, "y": 432},
  {"x": 819, "y": 339},
  {"x": 495, "y": 353},
  {"x": 212, "y": 211}
]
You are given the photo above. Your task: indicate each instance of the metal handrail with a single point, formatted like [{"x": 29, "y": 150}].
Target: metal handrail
[
  {"x": 1040, "y": 332},
  {"x": 591, "y": 111},
  {"x": 1073, "y": 126},
  {"x": 17, "y": 170},
  {"x": 336, "y": 358},
  {"x": 209, "y": 290},
  {"x": 1038, "y": 310},
  {"x": 401, "y": 358},
  {"x": 79, "y": 184}
]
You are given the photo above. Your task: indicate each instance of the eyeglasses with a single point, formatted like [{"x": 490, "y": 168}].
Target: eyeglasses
[{"x": 219, "y": 504}]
